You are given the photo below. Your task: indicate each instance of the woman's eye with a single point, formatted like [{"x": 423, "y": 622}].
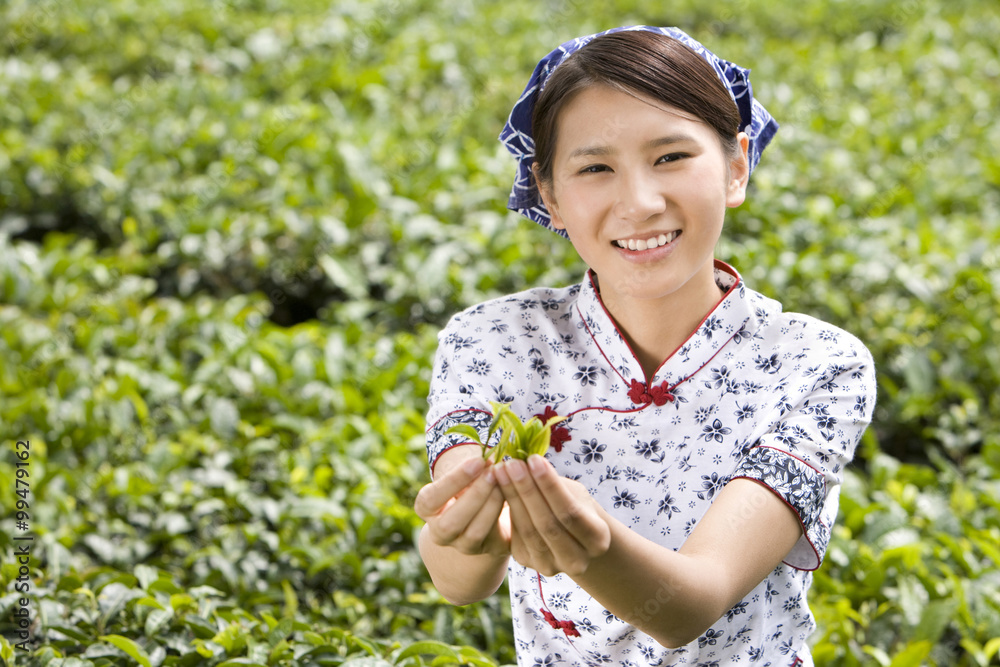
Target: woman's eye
[
  {"x": 594, "y": 169},
  {"x": 671, "y": 157}
]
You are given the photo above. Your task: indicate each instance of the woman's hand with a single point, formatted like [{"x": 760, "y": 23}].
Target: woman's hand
[
  {"x": 556, "y": 525},
  {"x": 464, "y": 509}
]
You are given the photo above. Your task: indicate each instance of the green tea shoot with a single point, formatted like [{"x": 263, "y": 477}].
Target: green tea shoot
[{"x": 518, "y": 439}]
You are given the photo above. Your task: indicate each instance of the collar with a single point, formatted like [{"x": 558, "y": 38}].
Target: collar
[{"x": 730, "y": 318}]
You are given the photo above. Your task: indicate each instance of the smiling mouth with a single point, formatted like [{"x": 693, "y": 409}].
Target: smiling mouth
[{"x": 647, "y": 244}]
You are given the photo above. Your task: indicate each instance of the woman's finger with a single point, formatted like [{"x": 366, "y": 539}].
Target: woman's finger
[
  {"x": 540, "y": 528},
  {"x": 527, "y": 546},
  {"x": 452, "y": 522},
  {"x": 568, "y": 552},
  {"x": 433, "y": 497},
  {"x": 479, "y": 535},
  {"x": 576, "y": 513}
]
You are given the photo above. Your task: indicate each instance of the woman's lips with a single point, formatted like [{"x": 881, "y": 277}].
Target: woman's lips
[{"x": 652, "y": 248}]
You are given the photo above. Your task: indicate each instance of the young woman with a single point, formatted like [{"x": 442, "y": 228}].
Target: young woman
[{"x": 692, "y": 487}]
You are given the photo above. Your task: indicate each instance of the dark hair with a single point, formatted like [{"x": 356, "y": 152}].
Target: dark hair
[{"x": 639, "y": 63}]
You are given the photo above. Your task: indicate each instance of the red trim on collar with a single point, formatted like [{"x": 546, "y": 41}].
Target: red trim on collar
[
  {"x": 725, "y": 268},
  {"x": 597, "y": 343},
  {"x": 718, "y": 264},
  {"x": 642, "y": 394}
]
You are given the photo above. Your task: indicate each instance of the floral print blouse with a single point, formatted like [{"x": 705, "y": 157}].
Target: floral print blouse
[{"x": 779, "y": 398}]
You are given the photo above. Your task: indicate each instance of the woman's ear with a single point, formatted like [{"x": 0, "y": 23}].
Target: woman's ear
[
  {"x": 548, "y": 198},
  {"x": 739, "y": 173}
]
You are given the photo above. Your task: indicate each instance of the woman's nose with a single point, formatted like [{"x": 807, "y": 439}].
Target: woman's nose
[{"x": 638, "y": 197}]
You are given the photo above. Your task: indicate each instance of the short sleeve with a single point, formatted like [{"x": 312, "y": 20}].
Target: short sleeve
[
  {"x": 453, "y": 399},
  {"x": 803, "y": 456}
]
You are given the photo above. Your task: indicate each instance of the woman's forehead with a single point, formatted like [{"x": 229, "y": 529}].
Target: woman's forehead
[{"x": 604, "y": 117}]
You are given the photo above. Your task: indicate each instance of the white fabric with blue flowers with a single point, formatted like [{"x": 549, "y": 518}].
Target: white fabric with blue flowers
[{"x": 779, "y": 398}]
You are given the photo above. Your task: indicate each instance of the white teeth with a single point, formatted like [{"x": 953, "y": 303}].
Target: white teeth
[{"x": 647, "y": 244}]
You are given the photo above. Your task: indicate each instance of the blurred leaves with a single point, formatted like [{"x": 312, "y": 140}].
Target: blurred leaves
[{"x": 230, "y": 230}]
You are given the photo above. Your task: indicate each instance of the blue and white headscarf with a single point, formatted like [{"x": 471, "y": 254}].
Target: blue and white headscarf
[{"x": 517, "y": 138}]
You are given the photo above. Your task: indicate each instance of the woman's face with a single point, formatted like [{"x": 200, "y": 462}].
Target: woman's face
[{"x": 642, "y": 189}]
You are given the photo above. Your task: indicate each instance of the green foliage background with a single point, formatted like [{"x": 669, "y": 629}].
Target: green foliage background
[{"x": 229, "y": 231}]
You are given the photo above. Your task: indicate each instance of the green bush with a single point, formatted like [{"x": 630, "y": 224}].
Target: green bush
[
  {"x": 229, "y": 232},
  {"x": 249, "y": 467}
]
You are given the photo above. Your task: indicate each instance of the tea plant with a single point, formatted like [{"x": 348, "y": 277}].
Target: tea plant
[
  {"x": 230, "y": 231},
  {"x": 518, "y": 439}
]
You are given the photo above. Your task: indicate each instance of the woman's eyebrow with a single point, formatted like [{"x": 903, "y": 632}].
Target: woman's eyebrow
[
  {"x": 605, "y": 149},
  {"x": 591, "y": 151},
  {"x": 669, "y": 139}
]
